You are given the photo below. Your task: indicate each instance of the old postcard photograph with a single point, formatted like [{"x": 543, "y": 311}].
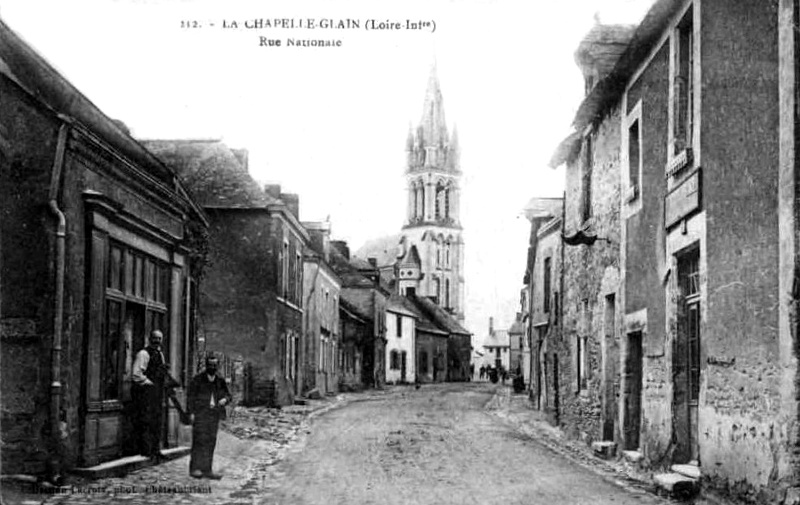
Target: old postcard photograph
[{"x": 399, "y": 252}]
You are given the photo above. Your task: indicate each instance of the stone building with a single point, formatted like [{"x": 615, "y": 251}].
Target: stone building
[
  {"x": 251, "y": 304},
  {"x": 321, "y": 353},
  {"x": 697, "y": 117},
  {"x": 100, "y": 245},
  {"x": 355, "y": 331},
  {"x": 364, "y": 292},
  {"x": 543, "y": 278}
]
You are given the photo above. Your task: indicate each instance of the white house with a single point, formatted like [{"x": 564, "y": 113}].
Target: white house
[
  {"x": 400, "y": 344},
  {"x": 497, "y": 347}
]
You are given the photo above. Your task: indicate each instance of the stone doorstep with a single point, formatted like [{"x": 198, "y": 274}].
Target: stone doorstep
[
  {"x": 676, "y": 485},
  {"x": 634, "y": 457},
  {"x": 128, "y": 464},
  {"x": 691, "y": 471},
  {"x": 605, "y": 449}
]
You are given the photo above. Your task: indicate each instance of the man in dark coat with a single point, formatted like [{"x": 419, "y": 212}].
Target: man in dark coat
[
  {"x": 147, "y": 392},
  {"x": 206, "y": 399}
]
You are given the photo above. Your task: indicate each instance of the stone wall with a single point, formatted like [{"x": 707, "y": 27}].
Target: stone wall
[
  {"x": 590, "y": 275},
  {"x": 746, "y": 435}
]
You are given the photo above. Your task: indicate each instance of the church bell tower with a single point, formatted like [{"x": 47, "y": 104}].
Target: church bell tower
[{"x": 432, "y": 226}]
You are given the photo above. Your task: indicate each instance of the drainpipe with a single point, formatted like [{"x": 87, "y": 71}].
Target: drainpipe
[{"x": 58, "y": 318}]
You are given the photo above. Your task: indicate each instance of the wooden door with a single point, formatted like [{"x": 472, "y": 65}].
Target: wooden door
[
  {"x": 686, "y": 361},
  {"x": 632, "y": 391}
]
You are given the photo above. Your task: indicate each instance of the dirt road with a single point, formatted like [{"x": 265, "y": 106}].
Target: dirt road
[{"x": 436, "y": 445}]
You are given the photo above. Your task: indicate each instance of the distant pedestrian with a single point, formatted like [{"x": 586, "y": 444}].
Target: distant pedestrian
[
  {"x": 482, "y": 372},
  {"x": 147, "y": 392},
  {"x": 206, "y": 399}
]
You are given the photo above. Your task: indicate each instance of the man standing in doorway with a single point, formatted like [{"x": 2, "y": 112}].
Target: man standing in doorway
[
  {"x": 206, "y": 399},
  {"x": 147, "y": 393}
]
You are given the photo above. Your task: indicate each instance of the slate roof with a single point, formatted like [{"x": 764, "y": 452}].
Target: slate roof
[
  {"x": 353, "y": 310},
  {"x": 348, "y": 272},
  {"x": 216, "y": 175},
  {"x": 441, "y": 317},
  {"x": 402, "y": 305},
  {"x": 424, "y": 322},
  {"x": 499, "y": 338}
]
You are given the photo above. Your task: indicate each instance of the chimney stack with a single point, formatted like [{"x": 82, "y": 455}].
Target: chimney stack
[
  {"x": 320, "y": 237},
  {"x": 273, "y": 190},
  {"x": 292, "y": 201},
  {"x": 341, "y": 246},
  {"x": 491, "y": 326}
]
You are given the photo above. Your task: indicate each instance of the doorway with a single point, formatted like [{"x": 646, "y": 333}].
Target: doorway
[
  {"x": 686, "y": 359},
  {"x": 632, "y": 393},
  {"x": 610, "y": 370}
]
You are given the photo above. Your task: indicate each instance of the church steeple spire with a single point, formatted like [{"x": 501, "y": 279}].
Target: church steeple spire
[
  {"x": 433, "y": 123},
  {"x": 430, "y": 147}
]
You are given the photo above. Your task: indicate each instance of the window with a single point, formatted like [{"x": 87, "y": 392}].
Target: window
[
  {"x": 447, "y": 293},
  {"x": 394, "y": 360},
  {"x": 283, "y": 261},
  {"x": 683, "y": 55},
  {"x": 421, "y": 201},
  {"x": 581, "y": 362},
  {"x": 587, "y": 166},
  {"x": 447, "y": 203},
  {"x": 440, "y": 201},
  {"x": 298, "y": 279},
  {"x": 437, "y": 286},
  {"x": 581, "y": 350},
  {"x": 689, "y": 285},
  {"x": 610, "y": 316},
  {"x": 555, "y": 307},
  {"x": 632, "y": 150},
  {"x": 546, "y": 285},
  {"x": 136, "y": 295},
  {"x": 415, "y": 201},
  {"x": 399, "y": 325}
]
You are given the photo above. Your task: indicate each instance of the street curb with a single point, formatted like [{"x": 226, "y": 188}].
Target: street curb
[
  {"x": 499, "y": 408},
  {"x": 609, "y": 474}
]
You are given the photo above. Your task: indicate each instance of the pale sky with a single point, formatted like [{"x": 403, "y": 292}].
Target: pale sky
[{"x": 330, "y": 123}]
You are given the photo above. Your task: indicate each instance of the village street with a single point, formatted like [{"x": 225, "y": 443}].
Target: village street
[
  {"x": 436, "y": 445},
  {"x": 443, "y": 443}
]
